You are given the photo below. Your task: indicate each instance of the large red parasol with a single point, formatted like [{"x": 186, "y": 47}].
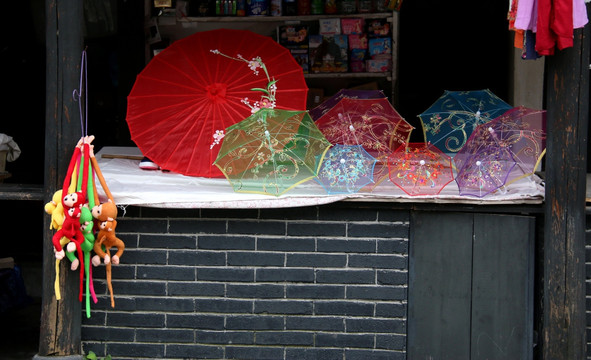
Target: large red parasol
[{"x": 186, "y": 97}]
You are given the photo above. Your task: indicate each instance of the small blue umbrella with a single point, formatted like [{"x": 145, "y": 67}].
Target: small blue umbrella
[{"x": 346, "y": 169}]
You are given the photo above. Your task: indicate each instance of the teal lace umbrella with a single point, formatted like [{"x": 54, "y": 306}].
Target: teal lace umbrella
[
  {"x": 450, "y": 121},
  {"x": 346, "y": 169},
  {"x": 271, "y": 151}
]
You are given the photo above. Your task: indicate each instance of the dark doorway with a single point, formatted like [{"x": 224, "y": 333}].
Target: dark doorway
[{"x": 450, "y": 45}]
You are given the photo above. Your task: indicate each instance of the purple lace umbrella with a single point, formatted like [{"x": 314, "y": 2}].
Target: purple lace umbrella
[
  {"x": 329, "y": 103},
  {"x": 483, "y": 166},
  {"x": 522, "y": 131},
  {"x": 346, "y": 169}
]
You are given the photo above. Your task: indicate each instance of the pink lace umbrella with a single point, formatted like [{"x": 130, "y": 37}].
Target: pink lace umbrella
[
  {"x": 420, "y": 169},
  {"x": 371, "y": 123}
]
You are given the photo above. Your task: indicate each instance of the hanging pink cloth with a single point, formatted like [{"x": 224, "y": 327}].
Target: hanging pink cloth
[{"x": 527, "y": 15}]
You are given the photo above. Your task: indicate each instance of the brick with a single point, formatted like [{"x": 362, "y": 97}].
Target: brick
[
  {"x": 146, "y": 226},
  {"x": 164, "y": 336},
  {"x": 355, "y": 354},
  {"x": 345, "y": 276},
  {"x": 120, "y": 272},
  {"x": 377, "y": 230},
  {"x": 107, "y": 334},
  {"x": 393, "y": 246},
  {"x": 392, "y": 277},
  {"x": 284, "y": 274},
  {"x": 165, "y": 213},
  {"x": 254, "y": 353},
  {"x": 395, "y": 326},
  {"x": 291, "y": 244},
  {"x": 316, "y": 260},
  {"x": 240, "y": 258},
  {"x": 147, "y": 241},
  {"x": 378, "y": 292},
  {"x": 194, "y": 351},
  {"x": 98, "y": 348},
  {"x": 316, "y": 229},
  {"x": 393, "y": 310},
  {"x": 164, "y": 304},
  {"x": 314, "y": 354},
  {"x": 144, "y": 256},
  {"x": 165, "y": 273},
  {"x": 224, "y": 337},
  {"x": 283, "y": 307},
  {"x": 347, "y": 214},
  {"x": 256, "y": 227},
  {"x": 343, "y": 308},
  {"x": 145, "y": 320},
  {"x": 378, "y": 261},
  {"x": 151, "y": 288},
  {"x": 346, "y": 245},
  {"x": 284, "y": 338},
  {"x": 224, "y": 306},
  {"x": 136, "y": 350},
  {"x": 97, "y": 318},
  {"x": 195, "y": 289},
  {"x": 260, "y": 291},
  {"x": 402, "y": 216},
  {"x": 315, "y": 292},
  {"x": 297, "y": 213},
  {"x": 315, "y": 323},
  {"x": 226, "y": 242},
  {"x": 195, "y": 321},
  {"x": 122, "y": 303},
  {"x": 225, "y": 274},
  {"x": 230, "y": 213},
  {"x": 345, "y": 340},
  {"x": 254, "y": 322},
  {"x": 196, "y": 258},
  {"x": 391, "y": 342},
  {"x": 193, "y": 226}
]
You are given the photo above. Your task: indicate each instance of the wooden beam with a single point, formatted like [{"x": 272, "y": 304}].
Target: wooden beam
[
  {"x": 567, "y": 104},
  {"x": 60, "y": 320}
]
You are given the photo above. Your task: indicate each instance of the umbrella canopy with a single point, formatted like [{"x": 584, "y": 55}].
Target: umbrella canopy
[
  {"x": 450, "y": 121},
  {"x": 420, "y": 169},
  {"x": 327, "y": 104},
  {"x": 371, "y": 123},
  {"x": 523, "y": 132},
  {"x": 186, "y": 97},
  {"x": 346, "y": 169},
  {"x": 483, "y": 166},
  {"x": 272, "y": 151}
]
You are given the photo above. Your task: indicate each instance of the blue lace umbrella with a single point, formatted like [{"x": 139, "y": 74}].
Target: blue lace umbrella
[
  {"x": 450, "y": 121},
  {"x": 346, "y": 169}
]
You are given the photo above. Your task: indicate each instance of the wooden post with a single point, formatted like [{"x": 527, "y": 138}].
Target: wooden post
[
  {"x": 567, "y": 104},
  {"x": 60, "y": 320}
]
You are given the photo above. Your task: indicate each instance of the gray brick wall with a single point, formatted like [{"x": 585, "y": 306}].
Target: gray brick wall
[{"x": 327, "y": 282}]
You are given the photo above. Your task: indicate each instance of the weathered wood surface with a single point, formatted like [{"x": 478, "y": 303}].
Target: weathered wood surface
[
  {"x": 60, "y": 320},
  {"x": 567, "y": 104}
]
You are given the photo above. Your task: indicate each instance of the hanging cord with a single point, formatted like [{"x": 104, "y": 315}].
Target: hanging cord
[{"x": 79, "y": 93}]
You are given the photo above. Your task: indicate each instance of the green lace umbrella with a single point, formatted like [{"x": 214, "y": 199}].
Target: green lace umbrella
[{"x": 272, "y": 151}]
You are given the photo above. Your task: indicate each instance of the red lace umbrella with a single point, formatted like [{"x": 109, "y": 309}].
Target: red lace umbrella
[
  {"x": 371, "y": 123},
  {"x": 420, "y": 169},
  {"x": 186, "y": 97}
]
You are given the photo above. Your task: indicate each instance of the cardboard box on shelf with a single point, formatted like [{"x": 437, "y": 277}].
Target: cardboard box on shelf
[
  {"x": 302, "y": 58},
  {"x": 358, "y": 41},
  {"x": 378, "y": 65},
  {"x": 328, "y": 53},
  {"x": 330, "y": 26},
  {"x": 379, "y": 46},
  {"x": 351, "y": 26},
  {"x": 378, "y": 28},
  {"x": 293, "y": 36}
]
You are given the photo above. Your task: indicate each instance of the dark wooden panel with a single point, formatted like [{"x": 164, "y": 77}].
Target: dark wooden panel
[
  {"x": 439, "y": 286},
  {"x": 567, "y": 102},
  {"x": 502, "y": 287}
]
